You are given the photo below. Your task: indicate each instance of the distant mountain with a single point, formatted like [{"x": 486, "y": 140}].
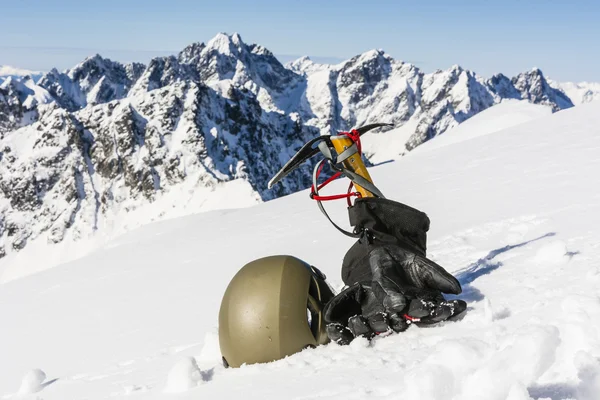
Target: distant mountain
[
  {"x": 579, "y": 93},
  {"x": 7, "y": 71},
  {"x": 103, "y": 136},
  {"x": 374, "y": 87},
  {"x": 19, "y": 101}
]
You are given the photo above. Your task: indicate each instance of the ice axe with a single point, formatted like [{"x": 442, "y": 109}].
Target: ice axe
[{"x": 342, "y": 152}]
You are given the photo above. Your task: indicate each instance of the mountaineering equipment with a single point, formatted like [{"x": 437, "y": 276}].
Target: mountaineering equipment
[
  {"x": 277, "y": 306},
  {"x": 390, "y": 283},
  {"x": 272, "y": 308}
]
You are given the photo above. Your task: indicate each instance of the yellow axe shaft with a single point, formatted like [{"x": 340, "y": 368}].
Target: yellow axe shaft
[{"x": 354, "y": 163}]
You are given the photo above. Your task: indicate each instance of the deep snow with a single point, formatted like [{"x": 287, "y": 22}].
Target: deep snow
[{"x": 514, "y": 215}]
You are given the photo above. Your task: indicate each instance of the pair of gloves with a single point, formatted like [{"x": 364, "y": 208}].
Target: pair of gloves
[{"x": 390, "y": 283}]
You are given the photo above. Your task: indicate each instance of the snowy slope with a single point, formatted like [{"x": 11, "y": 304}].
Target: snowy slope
[
  {"x": 505, "y": 115},
  {"x": 515, "y": 216},
  {"x": 383, "y": 146}
]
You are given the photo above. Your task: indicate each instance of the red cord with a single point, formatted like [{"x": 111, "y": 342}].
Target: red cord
[
  {"x": 353, "y": 135},
  {"x": 314, "y": 196},
  {"x": 412, "y": 319}
]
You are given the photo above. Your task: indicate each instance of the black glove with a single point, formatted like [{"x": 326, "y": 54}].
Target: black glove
[
  {"x": 406, "y": 288},
  {"x": 391, "y": 282}
]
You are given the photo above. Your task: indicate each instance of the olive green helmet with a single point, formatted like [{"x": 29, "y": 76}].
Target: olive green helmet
[{"x": 271, "y": 309}]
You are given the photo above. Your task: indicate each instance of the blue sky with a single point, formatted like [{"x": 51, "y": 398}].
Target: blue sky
[{"x": 560, "y": 37}]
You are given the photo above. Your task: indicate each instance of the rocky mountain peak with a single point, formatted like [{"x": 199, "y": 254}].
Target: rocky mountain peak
[
  {"x": 95, "y": 80},
  {"x": 19, "y": 101},
  {"x": 162, "y": 71},
  {"x": 534, "y": 87},
  {"x": 191, "y": 54},
  {"x": 503, "y": 87},
  {"x": 226, "y": 45},
  {"x": 300, "y": 65},
  {"x": 361, "y": 74}
]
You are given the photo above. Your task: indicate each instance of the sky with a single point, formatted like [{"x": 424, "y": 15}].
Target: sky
[{"x": 510, "y": 36}]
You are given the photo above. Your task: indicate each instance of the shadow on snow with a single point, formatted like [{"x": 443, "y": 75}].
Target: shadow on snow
[{"x": 484, "y": 266}]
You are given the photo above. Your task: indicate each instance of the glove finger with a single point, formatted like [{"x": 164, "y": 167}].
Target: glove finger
[
  {"x": 359, "y": 326},
  {"x": 428, "y": 313},
  {"x": 436, "y": 277},
  {"x": 338, "y": 333},
  {"x": 460, "y": 307},
  {"x": 378, "y": 323},
  {"x": 344, "y": 305},
  {"x": 439, "y": 313},
  {"x": 420, "y": 308},
  {"x": 397, "y": 323}
]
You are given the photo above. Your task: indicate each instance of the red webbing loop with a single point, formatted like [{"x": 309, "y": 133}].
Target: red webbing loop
[
  {"x": 328, "y": 181},
  {"x": 333, "y": 197},
  {"x": 357, "y": 194},
  {"x": 348, "y": 195}
]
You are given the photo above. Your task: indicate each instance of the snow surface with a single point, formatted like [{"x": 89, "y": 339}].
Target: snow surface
[
  {"x": 496, "y": 118},
  {"x": 515, "y": 217},
  {"x": 179, "y": 201},
  {"x": 382, "y": 147}
]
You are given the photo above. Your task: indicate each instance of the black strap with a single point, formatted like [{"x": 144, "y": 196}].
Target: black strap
[{"x": 320, "y": 204}]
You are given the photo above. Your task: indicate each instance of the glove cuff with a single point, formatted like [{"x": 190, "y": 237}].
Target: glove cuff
[{"x": 391, "y": 222}]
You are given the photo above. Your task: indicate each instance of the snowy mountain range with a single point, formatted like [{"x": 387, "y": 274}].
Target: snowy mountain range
[{"x": 79, "y": 145}]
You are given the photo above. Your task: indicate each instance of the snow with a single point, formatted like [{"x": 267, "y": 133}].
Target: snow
[
  {"x": 177, "y": 202},
  {"x": 504, "y": 115},
  {"x": 138, "y": 316},
  {"x": 31, "y": 94},
  {"x": 554, "y": 252},
  {"x": 387, "y": 146},
  {"x": 32, "y": 382},
  {"x": 222, "y": 43},
  {"x": 184, "y": 375}
]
